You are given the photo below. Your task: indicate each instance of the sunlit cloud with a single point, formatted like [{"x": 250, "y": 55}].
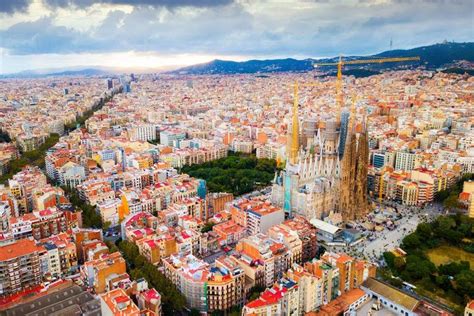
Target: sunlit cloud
[
  {"x": 136, "y": 61},
  {"x": 67, "y": 29}
]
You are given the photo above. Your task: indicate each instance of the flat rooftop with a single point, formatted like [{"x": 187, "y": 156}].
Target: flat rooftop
[
  {"x": 391, "y": 293},
  {"x": 69, "y": 301}
]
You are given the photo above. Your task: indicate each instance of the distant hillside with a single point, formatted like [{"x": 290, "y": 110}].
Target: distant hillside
[
  {"x": 87, "y": 72},
  {"x": 82, "y": 72},
  {"x": 437, "y": 55},
  {"x": 459, "y": 71},
  {"x": 432, "y": 57},
  {"x": 251, "y": 66},
  {"x": 445, "y": 56}
]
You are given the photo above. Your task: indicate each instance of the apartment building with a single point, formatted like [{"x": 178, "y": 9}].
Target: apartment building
[
  {"x": 257, "y": 215},
  {"x": 151, "y": 300},
  {"x": 329, "y": 276},
  {"x": 82, "y": 236},
  {"x": 20, "y": 267},
  {"x": 406, "y": 161},
  {"x": 67, "y": 252},
  {"x": 23, "y": 184},
  {"x": 229, "y": 232},
  {"x": 96, "y": 273},
  {"x": 206, "y": 288},
  {"x": 116, "y": 303},
  {"x": 189, "y": 274},
  {"x": 39, "y": 225},
  {"x": 143, "y": 132},
  {"x": 281, "y": 299},
  {"x": 155, "y": 247},
  {"x": 352, "y": 272},
  {"x": 307, "y": 233},
  {"x": 95, "y": 192},
  {"x": 290, "y": 239},
  {"x": 260, "y": 250}
]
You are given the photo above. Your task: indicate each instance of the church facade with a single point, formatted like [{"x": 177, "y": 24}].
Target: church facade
[{"x": 318, "y": 180}]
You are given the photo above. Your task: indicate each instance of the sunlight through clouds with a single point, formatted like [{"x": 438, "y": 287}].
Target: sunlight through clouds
[{"x": 310, "y": 28}]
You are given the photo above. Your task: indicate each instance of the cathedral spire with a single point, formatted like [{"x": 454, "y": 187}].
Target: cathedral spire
[
  {"x": 353, "y": 115},
  {"x": 294, "y": 148},
  {"x": 366, "y": 119},
  {"x": 353, "y": 190}
]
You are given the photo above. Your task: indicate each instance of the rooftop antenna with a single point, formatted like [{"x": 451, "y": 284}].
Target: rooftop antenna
[{"x": 391, "y": 43}]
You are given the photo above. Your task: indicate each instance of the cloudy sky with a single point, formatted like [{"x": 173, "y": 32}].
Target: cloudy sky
[{"x": 38, "y": 34}]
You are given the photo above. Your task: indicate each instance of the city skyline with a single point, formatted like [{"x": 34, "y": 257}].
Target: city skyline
[
  {"x": 38, "y": 34},
  {"x": 322, "y": 166}
]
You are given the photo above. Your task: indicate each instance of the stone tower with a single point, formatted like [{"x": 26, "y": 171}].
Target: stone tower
[
  {"x": 294, "y": 144},
  {"x": 353, "y": 202}
]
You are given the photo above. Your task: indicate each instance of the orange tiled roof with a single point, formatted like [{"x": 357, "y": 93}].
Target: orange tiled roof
[
  {"x": 471, "y": 304},
  {"x": 20, "y": 248}
]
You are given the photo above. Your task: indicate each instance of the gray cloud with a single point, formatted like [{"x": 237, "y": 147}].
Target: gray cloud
[
  {"x": 154, "y": 3},
  {"x": 41, "y": 36},
  {"x": 234, "y": 29},
  {"x": 11, "y": 6}
]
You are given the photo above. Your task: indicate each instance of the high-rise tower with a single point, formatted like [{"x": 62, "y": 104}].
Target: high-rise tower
[{"x": 343, "y": 132}]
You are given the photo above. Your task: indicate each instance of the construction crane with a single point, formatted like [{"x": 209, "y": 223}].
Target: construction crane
[{"x": 340, "y": 63}]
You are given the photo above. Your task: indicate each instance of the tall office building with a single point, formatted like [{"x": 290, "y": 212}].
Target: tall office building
[
  {"x": 378, "y": 160},
  {"x": 202, "y": 189},
  {"x": 343, "y": 132},
  {"x": 110, "y": 84}
]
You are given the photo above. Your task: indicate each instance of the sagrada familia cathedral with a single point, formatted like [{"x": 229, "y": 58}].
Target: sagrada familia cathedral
[{"x": 326, "y": 169}]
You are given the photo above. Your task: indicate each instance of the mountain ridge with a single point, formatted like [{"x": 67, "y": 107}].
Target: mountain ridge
[
  {"x": 441, "y": 55},
  {"x": 432, "y": 57}
]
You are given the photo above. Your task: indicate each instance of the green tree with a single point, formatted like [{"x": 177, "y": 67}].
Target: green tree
[
  {"x": 194, "y": 312},
  {"x": 107, "y": 225},
  {"x": 453, "y": 268},
  {"x": 443, "y": 282},
  {"x": 207, "y": 227},
  {"x": 235, "y": 311},
  {"x": 172, "y": 300},
  {"x": 452, "y": 202},
  {"x": 419, "y": 268},
  {"x": 255, "y": 292},
  {"x": 445, "y": 223},
  {"x": 4, "y": 137},
  {"x": 399, "y": 263},
  {"x": 237, "y": 173},
  {"x": 424, "y": 230},
  {"x": 442, "y": 195},
  {"x": 266, "y": 165},
  {"x": 411, "y": 241},
  {"x": 389, "y": 259},
  {"x": 465, "y": 283}
]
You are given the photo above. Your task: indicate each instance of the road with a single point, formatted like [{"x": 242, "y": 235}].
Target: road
[
  {"x": 257, "y": 193},
  {"x": 391, "y": 238},
  {"x": 211, "y": 258},
  {"x": 388, "y": 239}
]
